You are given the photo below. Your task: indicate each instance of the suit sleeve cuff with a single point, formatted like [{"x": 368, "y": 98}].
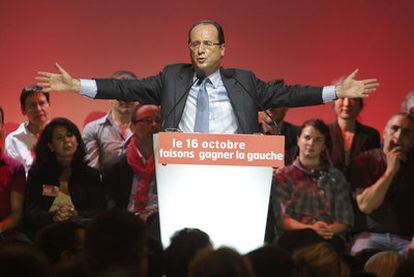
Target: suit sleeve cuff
[
  {"x": 328, "y": 94},
  {"x": 88, "y": 88}
]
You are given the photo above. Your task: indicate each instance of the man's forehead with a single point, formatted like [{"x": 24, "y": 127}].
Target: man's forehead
[
  {"x": 147, "y": 111},
  {"x": 205, "y": 29},
  {"x": 401, "y": 121},
  {"x": 36, "y": 97}
]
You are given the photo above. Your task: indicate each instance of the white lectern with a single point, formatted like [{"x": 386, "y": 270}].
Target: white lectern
[{"x": 228, "y": 202}]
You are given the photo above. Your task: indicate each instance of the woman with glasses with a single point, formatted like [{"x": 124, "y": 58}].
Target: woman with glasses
[{"x": 61, "y": 186}]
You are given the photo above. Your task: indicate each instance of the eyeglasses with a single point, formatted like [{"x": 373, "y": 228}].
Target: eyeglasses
[
  {"x": 206, "y": 43},
  {"x": 147, "y": 120}
]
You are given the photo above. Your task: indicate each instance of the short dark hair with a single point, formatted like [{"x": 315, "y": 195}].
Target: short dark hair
[
  {"x": 115, "y": 239},
  {"x": 58, "y": 237},
  {"x": 184, "y": 246},
  {"x": 46, "y": 159},
  {"x": 221, "y": 262},
  {"x": 210, "y": 22},
  {"x": 21, "y": 259},
  {"x": 2, "y": 115},
  {"x": 119, "y": 73},
  {"x": 271, "y": 260},
  {"x": 31, "y": 90}
]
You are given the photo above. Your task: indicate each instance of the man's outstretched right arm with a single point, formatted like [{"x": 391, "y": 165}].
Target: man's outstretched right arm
[{"x": 146, "y": 91}]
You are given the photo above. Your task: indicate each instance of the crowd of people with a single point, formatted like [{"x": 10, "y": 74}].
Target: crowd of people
[
  {"x": 342, "y": 194},
  {"x": 85, "y": 203}
]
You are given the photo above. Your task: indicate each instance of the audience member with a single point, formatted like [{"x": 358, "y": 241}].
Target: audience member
[
  {"x": 283, "y": 128},
  {"x": 406, "y": 267},
  {"x": 116, "y": 242},
  {"x": 320, "y": 260},
  {"x": 130, "y": 178},
  {"x": 223, "y": 262},
  {"x": 382, "y": 180},
  {"x": 156, "y": 258},
  {"x": 314, "y": 197},
  {"x": 12, "y": 186},
  {"x": 61, "y": 241},
  {"x": 273, "y": 123},
  {"x": 383, "y": 264},
  {"x": 22, "y": 260},
  {"x": 407, "y": 106},
  {"x": 185, "y": 244},
  {"x": 349, "y": 136},
  {"x": 105, "y": 137},
  {"x": 363, "y": 256},
  {"x": 20, "y": 143},
  {"x": 272, "y": 260},
  {"x": 60, "y": 185}
]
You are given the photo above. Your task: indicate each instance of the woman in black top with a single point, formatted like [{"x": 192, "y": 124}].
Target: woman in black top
[{"x": 61, "y": 186}]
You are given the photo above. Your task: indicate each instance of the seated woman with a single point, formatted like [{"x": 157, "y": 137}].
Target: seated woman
[
  {"x": 60, "y": 184},
  {"x": 313, "y": 197},
  {"x": 349, "y": 137}
]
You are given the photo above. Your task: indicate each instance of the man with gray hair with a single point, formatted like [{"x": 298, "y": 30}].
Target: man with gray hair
[{"x": 383, "y": 184}]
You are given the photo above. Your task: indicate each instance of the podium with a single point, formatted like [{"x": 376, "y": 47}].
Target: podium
[{"x": 219, "y": 184}]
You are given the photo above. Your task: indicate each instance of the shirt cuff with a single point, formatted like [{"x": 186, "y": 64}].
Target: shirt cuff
[
  {"x": 88, "y": 88},
  {"x": 328, "y": 94}
]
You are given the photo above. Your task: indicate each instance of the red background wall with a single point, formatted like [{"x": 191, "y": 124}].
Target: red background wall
[{"x": 308, "y": 42}]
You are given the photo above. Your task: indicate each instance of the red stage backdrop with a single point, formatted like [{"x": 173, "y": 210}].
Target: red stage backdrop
[{"x": 307, "y": 42}]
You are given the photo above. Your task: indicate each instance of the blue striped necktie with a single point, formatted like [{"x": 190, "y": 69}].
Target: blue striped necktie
[{"x": 202, "y": 113}]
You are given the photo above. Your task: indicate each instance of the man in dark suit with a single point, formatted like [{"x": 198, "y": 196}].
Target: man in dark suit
[{"x": 233, "y": 96}]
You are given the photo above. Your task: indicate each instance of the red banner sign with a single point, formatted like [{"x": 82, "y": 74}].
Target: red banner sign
[{"x": 221, "y": 149}]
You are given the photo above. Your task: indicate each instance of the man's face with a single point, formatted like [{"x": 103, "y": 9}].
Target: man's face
[
  {"x": 122, "y": 107},
  {"x": 147, "y": 122},
  {"x": 206, "y": 58},
  {"x": 37, "y": 109},
  {"x": 399, "y": 132},
  {"x": 347, "y": 108}
]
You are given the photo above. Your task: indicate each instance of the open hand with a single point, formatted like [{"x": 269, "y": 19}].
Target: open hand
[
  {"x": 352, "y": 88},
  {"x": 61, "y": 81}
]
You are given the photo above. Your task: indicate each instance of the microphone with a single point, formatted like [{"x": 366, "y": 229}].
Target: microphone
[
  {"x": 229, "y": 73},
  {"x": 200, "y": 76}
]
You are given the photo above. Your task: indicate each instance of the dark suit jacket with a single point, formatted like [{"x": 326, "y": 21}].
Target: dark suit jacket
[
  {"x": 365, "y": 138},
  {"x": 117, "y": 179},
  {"x": 290, "y": 131},
  {"x": 170, "y": 85}
]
